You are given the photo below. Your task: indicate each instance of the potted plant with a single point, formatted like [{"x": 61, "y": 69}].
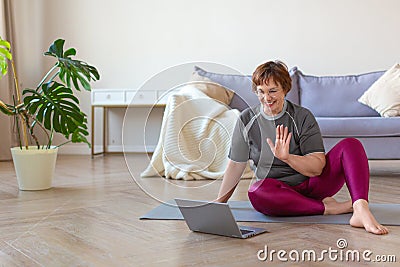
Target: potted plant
[{"x": 41, "y": 112}]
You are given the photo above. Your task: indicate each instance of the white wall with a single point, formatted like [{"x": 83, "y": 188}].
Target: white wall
[{"x": 130, "y": 41}]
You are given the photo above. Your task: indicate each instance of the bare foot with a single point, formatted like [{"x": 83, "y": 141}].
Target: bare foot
[
  {"x": 362, "y": 217},
  {"x": 334, "y": 207}
]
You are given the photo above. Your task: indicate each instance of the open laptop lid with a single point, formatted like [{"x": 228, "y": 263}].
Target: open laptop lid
[{"x": 209, "y": 217}]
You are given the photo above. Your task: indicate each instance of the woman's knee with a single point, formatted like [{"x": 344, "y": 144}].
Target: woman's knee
[
  {"x": 263, "y": 187},
  {"x": 262, "y": 197},
  {"x": 350, "y": 144}
]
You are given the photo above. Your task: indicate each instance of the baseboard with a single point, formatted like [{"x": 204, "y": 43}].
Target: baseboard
[
  {"x": 74, "y": 149},
  {"x": 83, "y": 149},
  {"x": 131, "y": 148}
]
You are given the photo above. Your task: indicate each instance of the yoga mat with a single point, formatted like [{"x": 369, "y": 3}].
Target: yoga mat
[{"x": 387, "y": 214}]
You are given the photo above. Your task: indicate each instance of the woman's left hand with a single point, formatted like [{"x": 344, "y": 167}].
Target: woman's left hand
[{"x": 282, "y": 141}]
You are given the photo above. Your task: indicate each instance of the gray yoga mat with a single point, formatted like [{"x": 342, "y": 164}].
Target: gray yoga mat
[{"x": 387, "y": 214}]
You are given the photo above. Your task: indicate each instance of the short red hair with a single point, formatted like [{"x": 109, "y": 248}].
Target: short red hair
[{"x": 275, "y": 70}]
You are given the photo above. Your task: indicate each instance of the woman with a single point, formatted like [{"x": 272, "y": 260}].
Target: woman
[{"x": 295, "y": 177}]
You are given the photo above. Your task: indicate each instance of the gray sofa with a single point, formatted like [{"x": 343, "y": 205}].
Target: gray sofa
[{"x": 333, "y": 101}]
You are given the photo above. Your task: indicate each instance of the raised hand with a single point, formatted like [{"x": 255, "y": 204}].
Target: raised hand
[{"x": 282, "y": 141}]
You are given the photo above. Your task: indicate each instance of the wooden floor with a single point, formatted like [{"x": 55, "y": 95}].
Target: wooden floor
[{"x": 90, "y": 218}]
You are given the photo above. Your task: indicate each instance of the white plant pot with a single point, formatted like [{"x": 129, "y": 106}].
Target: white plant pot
[{"x": 34, "y": 167}]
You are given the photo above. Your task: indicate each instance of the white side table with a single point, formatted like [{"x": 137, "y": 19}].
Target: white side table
[{"x": 122, "y": 98}]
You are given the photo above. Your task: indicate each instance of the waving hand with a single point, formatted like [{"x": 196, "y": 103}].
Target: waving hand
[{"x": 282, "y": 141}]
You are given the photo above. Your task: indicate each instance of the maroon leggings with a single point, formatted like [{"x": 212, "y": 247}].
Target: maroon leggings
[{"x": 346, "y": 163}]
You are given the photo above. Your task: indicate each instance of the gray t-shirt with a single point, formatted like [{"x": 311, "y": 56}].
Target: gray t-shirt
[{"x": 249, "y": 140}]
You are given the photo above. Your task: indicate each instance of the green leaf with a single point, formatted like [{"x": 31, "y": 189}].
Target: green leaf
[
  {"x": 47, "y": 118},
  {"x": 56, "y": 49},
  {"x": 72, "y": 71},
  {"x": 4, "y": 52},
  {"x": 79, "y": 136},
  {"x": 5, "y": 43},
  {"x": 5, "y": 55},
  {"x": 56, "y": 123},
  {"x": 40, "y": 113},
  {"x": 70, "y": 52},
  {"x": 57, "y": 109},
  {"x": 3, "y": 67}
]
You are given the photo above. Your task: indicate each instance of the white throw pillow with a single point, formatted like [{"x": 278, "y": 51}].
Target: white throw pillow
[{"x": 384, "y": 94}]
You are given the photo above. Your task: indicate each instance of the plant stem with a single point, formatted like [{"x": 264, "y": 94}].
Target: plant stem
[
  {"x": 17, "y": 91},
  {"x": 64, "y": 143},
  {"x": 16, "y": 121},
  {"x": 39, "y": 90},
  {"x": 5, "y": 109},
  {"x": 47, "y": 75},
  {"x": 36, "y": 122},
  {"x": 50, "y": 138}
]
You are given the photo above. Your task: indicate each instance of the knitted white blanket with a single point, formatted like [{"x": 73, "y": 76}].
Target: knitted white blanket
[{"x": 195, "y": 138}]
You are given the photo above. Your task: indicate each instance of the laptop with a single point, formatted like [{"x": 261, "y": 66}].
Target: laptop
[{"x": 214, "y": 218}]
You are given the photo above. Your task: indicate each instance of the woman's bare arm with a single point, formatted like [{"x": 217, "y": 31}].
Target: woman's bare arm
[
  {"x": 234, "y": 171},
  {"x": 309, "y": 165}
]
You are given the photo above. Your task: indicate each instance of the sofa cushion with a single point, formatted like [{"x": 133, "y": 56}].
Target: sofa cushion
[
  {"x": 375, "y": 147},
  {"x": 384, "y": 95},
  {"x": 336, "y": 96},
  {"x": 294, "y": 93},
  {"x": 359, "y": 126},
  {"x": 212, "y": 89},
  {"x": 241, "y": 85}
]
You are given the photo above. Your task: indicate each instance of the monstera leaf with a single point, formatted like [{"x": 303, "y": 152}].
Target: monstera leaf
[
  {"x": 52, "y": 104},
  {"x": 57, "y": 109},
  {"x": 71, "y": 70}
]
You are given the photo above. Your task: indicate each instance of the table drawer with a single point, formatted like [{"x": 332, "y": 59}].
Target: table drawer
[
  {"x": 135, "y": 97},
  {"x": 108, "y": 97}
]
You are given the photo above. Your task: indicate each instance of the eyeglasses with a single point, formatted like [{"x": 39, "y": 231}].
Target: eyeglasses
[{"x": 272, "y": 92}]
